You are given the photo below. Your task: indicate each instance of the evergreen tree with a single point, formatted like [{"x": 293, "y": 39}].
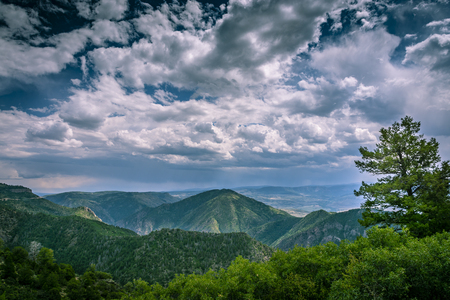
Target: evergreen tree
[{"x": 414, "y": 191}]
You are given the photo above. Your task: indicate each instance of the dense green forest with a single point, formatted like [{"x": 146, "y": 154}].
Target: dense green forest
[
  {"x": 384, "y": 265},
  {"x": 156, "y": 257},
  {"x": 35, "y": 275},
  {"x": 116, "y": 263}
]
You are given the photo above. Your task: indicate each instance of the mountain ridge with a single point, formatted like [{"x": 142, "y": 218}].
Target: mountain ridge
[
  {"x": 112, "y": 206},
  {"x": 212, "y": 211},
  {"x": 228, "y": 211},
  {"x": 23, "y": 199}
]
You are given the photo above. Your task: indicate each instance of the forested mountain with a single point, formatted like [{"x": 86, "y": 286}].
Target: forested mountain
[
  {"x": 228, "y": 211},
  {"x": 155, "y": 258},
  {"x": 274, "y": 232},
  {"x": 326, "y": 227},
  {"x": 112, "y": 206},
  {"x": 23, "y": 199},
  {"x": 385, "y": 265},
  {"x": 211, "y": 211},
  {"x": 316, "y": 228}
]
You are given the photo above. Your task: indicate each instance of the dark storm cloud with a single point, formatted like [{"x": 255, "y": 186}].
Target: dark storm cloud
[
  {"x": 250, "y": 134},
  {"x": 242, "y": 47},
  {"x": 262, "y": 30},
  {"x": 433, "y": 52},
  {"x": 204, "y": 128},
  {"x": 85, "y": 121}
]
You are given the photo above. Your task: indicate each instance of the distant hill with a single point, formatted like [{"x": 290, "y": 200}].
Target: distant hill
[
  {"x": 23, "y": 199},
  {"x": 112, "y": 206},
  {"x": 217, "y": 211},
  {"x": 316, "y": 228},
  {"x": 154, "y": 258},
  {"x": 275, "y": 232},
  {"x": 322, "y": 227}
]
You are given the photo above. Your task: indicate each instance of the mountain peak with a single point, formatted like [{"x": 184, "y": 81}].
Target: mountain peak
[{"x": 218, "y": 211}]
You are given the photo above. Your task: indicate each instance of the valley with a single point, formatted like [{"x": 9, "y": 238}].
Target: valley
[{"x": 225, "y": 211}]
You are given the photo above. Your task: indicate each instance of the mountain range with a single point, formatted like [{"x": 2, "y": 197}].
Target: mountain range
[
  {"x": 82, "y": 240},
  {"x": 214, "y": 211},
  {"x": 222, "y": 211},
  {"x": 202, "y": 232}
]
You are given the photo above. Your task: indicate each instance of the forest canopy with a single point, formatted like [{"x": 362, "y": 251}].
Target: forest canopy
[{"x": 385, "y": 265}]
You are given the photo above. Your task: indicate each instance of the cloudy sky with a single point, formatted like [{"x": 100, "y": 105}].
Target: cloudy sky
[{"x": 150, "y": 95}]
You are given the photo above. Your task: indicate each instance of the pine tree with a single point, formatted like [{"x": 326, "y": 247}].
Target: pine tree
[{"x": 414, "y": 192}]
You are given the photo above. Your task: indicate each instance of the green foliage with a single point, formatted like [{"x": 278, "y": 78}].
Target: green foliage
[
  {"x": 162, "y": 254},
  {"x": 22, "y": 278},
  {"x": 415, "y": 191},
  {"x": 385, "y": 265},
  {"x": 392, "y": 266}
]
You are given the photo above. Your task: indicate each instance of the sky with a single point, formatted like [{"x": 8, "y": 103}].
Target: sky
[{"x": 140, "y": 95}]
